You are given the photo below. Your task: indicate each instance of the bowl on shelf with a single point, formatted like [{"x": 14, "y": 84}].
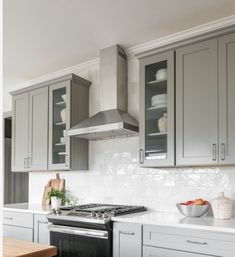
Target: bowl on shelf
[
  {"x": 193, "y": 210},
  {"x": 63, "y": 97},
  {"x": 63, "y": 115}
]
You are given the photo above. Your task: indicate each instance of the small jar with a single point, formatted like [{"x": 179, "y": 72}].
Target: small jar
[{"x": 222, "y": 207}]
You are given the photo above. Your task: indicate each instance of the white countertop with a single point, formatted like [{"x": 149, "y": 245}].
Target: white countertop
[
  {"x": 177, "y": 220},
  {"x": 26, "y": 207}
]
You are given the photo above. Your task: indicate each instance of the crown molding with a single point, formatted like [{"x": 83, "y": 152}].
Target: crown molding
[
  {"x": 78, "y": 68},
  {"x": 182, "y": 35},
  {"x": 141, "y": 48}
]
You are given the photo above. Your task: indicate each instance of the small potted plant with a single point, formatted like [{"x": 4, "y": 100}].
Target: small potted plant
[{"x": 57, "y": 197}]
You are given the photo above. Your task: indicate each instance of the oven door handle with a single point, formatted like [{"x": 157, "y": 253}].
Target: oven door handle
[{"x": 79, "y": 231}]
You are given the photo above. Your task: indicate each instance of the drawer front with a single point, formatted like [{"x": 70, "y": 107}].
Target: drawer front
[
  {"x": 160, "y": 252},
  {"x": 196, "y": 241},
  {"x": 19, "y": 233},
  {"x": 21, "y": 219}
]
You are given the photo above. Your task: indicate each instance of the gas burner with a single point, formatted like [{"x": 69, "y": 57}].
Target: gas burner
[{"x": 93, "y": 213}]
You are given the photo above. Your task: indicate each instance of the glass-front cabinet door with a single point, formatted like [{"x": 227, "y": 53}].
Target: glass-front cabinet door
[
  {"x": 59, "y": 117},
  {"x": 157, "y": 110}
]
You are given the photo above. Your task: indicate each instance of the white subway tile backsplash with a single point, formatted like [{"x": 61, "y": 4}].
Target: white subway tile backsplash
[{"x": 115, "y": 177}]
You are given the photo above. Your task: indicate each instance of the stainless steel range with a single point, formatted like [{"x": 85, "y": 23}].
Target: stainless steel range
[{"x": 85, "y": 230}]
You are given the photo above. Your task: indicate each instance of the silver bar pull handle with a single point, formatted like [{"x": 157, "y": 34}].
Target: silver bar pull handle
[
  {"x": 78, "y": 231},
  {"x": 127, "y": 233},
  {"x": 196, "y": 242},
  {"x": 141, "y": 156},
  {"x": 214, "y": 154},
  {"x": 25, "y": 163},
  {"x": 8, "y": 218},
  {"x": 223, "y": 151},
  {"x": 29, "y": 162}
]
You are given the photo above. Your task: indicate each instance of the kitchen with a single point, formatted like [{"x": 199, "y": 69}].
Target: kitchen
[{"x": 123, "y": 170}]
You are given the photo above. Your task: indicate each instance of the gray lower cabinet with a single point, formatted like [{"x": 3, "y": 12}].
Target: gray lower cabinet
[
  {"x": 226, "y": 47},
  {"x": 127, "y": 240},
  {"x": 19, "y": 233},
  {"x": 186, "y": 242},
  {"x": 18, "y": 225},
  {"x": 196, "y": 104},
  {"x": 20, "y": 132},
  {"x": 41, "y": 232},
  {"x": 160, "y": 252},
  {"x": 157, "y": 137},
  {"x": 30, "y": 130}
]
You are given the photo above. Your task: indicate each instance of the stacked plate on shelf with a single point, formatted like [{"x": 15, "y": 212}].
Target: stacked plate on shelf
[{"x": 159, "y": 101}]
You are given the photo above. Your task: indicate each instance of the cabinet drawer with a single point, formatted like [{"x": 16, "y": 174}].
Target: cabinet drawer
[
  {"x": 149, "y": 251},
  {"x": 196, "y": 241},
  {"x": 21, "y": 219},
  {"x": 19, "y": 233}
]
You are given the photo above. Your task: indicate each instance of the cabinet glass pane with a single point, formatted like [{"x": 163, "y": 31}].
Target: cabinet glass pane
[
  {"x": 156, "y": 110},
  {"x": 59, "y": 126}
]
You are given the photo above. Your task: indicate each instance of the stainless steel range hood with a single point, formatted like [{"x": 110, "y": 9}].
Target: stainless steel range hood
[{"x": 113, "y": 120}]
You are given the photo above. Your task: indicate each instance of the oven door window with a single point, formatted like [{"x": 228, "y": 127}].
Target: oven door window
[{"x": 80, "y": 246}]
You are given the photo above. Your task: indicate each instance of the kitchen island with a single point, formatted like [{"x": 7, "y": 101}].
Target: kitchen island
[{"x": 17, "y": 248}]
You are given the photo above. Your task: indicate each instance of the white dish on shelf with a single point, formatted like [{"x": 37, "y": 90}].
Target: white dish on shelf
[
  {"x": 159, "y": 106},
  {"x": 62, "y": 140},
  {"x": 61, "y": 153},
  {"x": 61, "y": 103},
  {"x": 63, "y": 115},
  {"x": 161, "y": 74},
  {"x": 60, "y": 123},
  {"x": 157, "y": 134},
  {"x": 63, "y": 97},
  {"x": 155, "y": 81}
]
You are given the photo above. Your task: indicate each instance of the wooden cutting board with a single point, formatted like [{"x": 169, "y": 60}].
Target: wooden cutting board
[
  {"x": 56, "y": 183},
  {"x": 19, "y": 248}
]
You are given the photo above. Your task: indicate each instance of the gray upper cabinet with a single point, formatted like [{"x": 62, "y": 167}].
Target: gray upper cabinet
[
  {"x": 38, "y": 129},
  {"x": 30, "y": 130},
  {"x": 226, "y": 99},
  {"x": 20, "y": 132},
  {"x": 68, "y": 105},
  {"x": 157, "y": 110},
  {"x": 196, "y": 104},
  {"x": 41, "y": 115}
]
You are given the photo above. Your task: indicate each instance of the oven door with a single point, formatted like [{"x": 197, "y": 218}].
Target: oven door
[{"x": 80, "y": 242}]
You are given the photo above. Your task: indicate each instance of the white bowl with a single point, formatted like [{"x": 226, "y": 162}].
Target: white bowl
[
  {"x": 63, "y": 115},
  {"x": 161, "y": 74},
  {"x": 63, "y": 97}
]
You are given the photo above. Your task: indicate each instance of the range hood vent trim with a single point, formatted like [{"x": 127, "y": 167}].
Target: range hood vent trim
[{"x": 112, "y": 122}]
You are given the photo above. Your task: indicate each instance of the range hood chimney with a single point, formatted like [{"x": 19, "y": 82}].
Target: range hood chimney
[{"x": 113, "y": 120}]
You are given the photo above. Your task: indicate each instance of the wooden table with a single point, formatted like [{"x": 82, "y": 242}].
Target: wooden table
[{"x": 18, "y": 248}]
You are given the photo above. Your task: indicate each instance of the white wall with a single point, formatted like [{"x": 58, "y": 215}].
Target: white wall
[{"x": 115, "y": 176}]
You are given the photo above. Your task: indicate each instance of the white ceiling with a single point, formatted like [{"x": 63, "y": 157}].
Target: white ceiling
[{"x": 43, "y": 36}]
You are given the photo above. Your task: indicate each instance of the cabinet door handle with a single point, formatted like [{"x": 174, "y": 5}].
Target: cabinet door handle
[
  {"x": 25, "y": 163},
  {"x": 141, "y": 156},
  {"x": 43, "y": 222},
  {"x": 127, "y": 233},
  {"x": 29, "y": 162},
  {"x": 8, "y": 218},
  {"x": 196, "y": 242},
  {"x": 223, "y": 151},
  {"x": 214, "y": 153}
]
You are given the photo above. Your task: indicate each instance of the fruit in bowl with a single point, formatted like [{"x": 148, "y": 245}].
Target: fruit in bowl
[{"x": 193, "y": 208}]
